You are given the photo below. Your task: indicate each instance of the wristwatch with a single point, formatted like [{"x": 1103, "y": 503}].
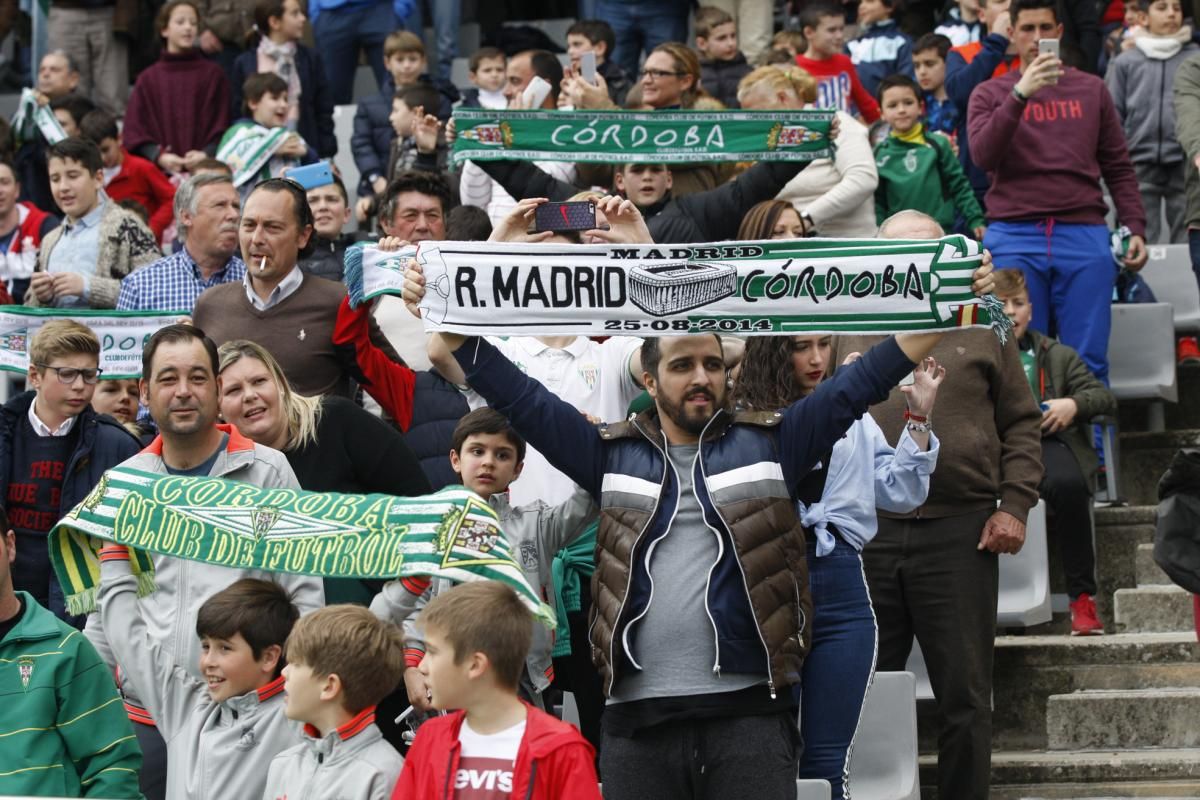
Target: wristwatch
[{"x": 810, "y": 227}]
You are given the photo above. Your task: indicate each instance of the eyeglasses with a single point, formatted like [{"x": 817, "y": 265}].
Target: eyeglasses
[
  {"x": 68, "y": 375},
  {"x": 659, "y": 74}
]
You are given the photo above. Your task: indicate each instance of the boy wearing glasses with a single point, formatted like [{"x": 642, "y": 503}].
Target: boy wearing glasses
[{"x": 53, "y": 450}]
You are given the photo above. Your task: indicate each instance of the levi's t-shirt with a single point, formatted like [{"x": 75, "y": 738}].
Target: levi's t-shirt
[{"x": 485, "y": 763}]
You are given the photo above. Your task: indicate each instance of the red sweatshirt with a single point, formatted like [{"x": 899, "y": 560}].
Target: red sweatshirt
[
  {"x": 1045, "y": 158},
  {"x": 838, "y": 86},
  {"x": 554, "y": 762},
  {"x": 142, "y": 181},
  {"x": 391, "y": 384}
]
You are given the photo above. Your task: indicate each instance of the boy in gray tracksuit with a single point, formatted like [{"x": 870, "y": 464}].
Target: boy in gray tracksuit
[
  {"x": 488, "y": 456},
  {"x": 342, "y": 661},
  {"x": 222, "y": 731}
]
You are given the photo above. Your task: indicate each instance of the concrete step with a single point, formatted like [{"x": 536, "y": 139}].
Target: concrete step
[
  {"x": 1148, "y": 609},
  {"x": 1163, "y": 773},
  {"x": 1145, "y": 457},
  {"x": 1118, "y": 533},
  {"x": 1098, "y": 719},
  {"x": 1030, "y": 669},
  {"x": 1148, "y": 572}
]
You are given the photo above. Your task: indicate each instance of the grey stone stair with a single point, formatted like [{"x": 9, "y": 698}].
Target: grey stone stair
[
  {"x": 1148, "y": 572},
  {"x": 1149, "y": 609},
  {"x": 1098, "y": 719}
]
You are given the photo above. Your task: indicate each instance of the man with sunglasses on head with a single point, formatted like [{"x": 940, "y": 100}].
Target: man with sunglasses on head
[{"x": 53, "y": 450}]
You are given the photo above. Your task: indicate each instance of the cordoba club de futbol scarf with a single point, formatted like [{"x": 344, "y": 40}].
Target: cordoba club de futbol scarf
[
  {"x": 801, "y": 286},
  {"x": 655, "y": 137},
  {"x": 122, "y": 335},
  {"x": 451, "y": 534}
]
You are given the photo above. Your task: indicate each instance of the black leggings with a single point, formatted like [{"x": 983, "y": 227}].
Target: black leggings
[{"x": 1069, "y": 497}]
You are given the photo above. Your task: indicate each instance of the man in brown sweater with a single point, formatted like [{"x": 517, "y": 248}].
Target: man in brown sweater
[
  {"x": 277, "y": 305},
  {"x": 933, "y": 573}
]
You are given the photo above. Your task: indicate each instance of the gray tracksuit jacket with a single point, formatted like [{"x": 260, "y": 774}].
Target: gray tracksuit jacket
[
  {"x": 351, "y": 763},
  {"x": 1142, "y": 91}
]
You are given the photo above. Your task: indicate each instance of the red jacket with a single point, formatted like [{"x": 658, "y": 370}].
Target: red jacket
[
  {"x": 554, "y": 763},
  {"x": 391, "y": 384},
  {"x": 142, "y": 181}
]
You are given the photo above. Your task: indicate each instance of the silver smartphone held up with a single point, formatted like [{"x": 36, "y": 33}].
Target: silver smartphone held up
[
  {"x": 1050, "y": 46},
  {"x": 536, "y": 92},
  {"x": 587, "y": 67}
]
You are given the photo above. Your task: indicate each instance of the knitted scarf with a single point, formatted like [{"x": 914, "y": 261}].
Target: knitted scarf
[
  {"x": 121, "y": 335},
  {"x": 281, "y": 59}
]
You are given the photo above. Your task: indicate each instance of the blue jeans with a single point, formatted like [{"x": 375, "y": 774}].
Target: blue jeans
[
  {"x": 446, "y": 16},
  {"x": 643, "y": 26},
  {"x": 840, "y": 664},
  {"x": 341, "y": 32},
  {"x": 1070, "y": 273}
]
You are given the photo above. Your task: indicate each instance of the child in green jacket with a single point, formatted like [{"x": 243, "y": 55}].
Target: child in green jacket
[{"x": 919, "y": 170}]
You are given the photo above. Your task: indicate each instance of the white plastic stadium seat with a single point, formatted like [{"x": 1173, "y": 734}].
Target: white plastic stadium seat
[
  {"x": 1141, "y": 356},
  {"x": 1025, "y": 577},
  {"x": 570, "y": 710},
  {"x": 920, "y": 672},
  {"x": 883, "y": 765},
  {"x": 813, "y": 790},
  {"x": 1169, "y": 273}
]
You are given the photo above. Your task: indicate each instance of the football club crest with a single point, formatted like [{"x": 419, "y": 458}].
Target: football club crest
[
  {"x": 262, "y": 519},
  {"x": 25, "y": 665},
  {"x": 472, "y": 539},
  {"x": 589, "y": 373},
  {"x": 95, "y": 498}
]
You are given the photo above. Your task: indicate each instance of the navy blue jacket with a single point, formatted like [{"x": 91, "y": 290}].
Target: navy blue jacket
[
  {"x": 316, "y": 103},
  {"x": 961, "y": 80},
  {"x": 438, "y": 405}
]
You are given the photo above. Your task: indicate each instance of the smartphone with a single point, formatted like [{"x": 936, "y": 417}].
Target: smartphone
[
  {"x": 587, "y": 67},
  {"x": 575, "y": 216},
  {"x": 536, "y": 92},
  {"x": 907, "y": 380},
  {"x": 1049, "y": 46},
  {"x": 312, "y": 175}
]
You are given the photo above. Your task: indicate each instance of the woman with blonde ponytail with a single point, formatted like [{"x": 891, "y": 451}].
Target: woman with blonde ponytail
[{"x": 835, "y": 197}]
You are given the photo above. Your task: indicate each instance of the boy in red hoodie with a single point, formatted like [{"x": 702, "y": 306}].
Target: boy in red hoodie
[
  {"x": 130, "y": 177},
  {"x": 476, "y": 638},
  {"x": 824, "y": 26}
]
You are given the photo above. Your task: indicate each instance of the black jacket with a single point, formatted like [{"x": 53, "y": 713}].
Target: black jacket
[
  {"x": 721, "y": 78},
  {"x": 701, "y": 217},
  {"x": 316, "y": 103}
]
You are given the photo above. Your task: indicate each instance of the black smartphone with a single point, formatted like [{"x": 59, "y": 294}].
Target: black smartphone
[{"x": 579, "y": 215}]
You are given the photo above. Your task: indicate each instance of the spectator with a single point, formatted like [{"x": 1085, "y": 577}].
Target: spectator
[
  {"x": 1123, "y": 36},
  {"x": 1141, "y": 81},
  {"x": 485, "y": 70},
  {"x": 597, "y": 36},
  {"x": 772, "y": 219},
  {"x": 962, "y": 24},
  {"x": 834, "y": 196},
  {"x": 44, "y": 431},
  {"x": 933, "y": 573},
  {"x": 118, "y": 398},
  {"x": 917, "y": 168},
  {"x": 409, "y": 111},
  {"x": 290, "y": 313},
  {"x": 129, "y": 177},
  {"x": 70, "y": 110},
  {"x": 57, "y": 678},
  {"x": 180, "y": 105},
  {"x": 1187, "y": 130},
  {"x": 641, "y": 26},
  {"x": 331, "y": 212},
  {"x": 23, "y": 226},
  {"x": 275, "y": 39},
  {"x": 259, "y": 146},
  {"x": 206, "y": 218},
  {"x": 86, "y": 32},
  {"x": 722, "y": 65},
  {"x": 881, "y": 49},
  {"x": 223, "y": 29},
  {"x": 1070, "y": 397},
  {"x": 1045, "y": 207},
  {"x": 468, "y": 224},
  {"x": 414, "y": 207},
  {"x": 838, "y": 84},
  {"x": 343, "y": 28},
  {"x": 446, "y": 15},
  {"x": 755, "y": 21},
  {"x": 81, "y": 262},
  {"x": 929, "y": 63},
  {"x": 493, "y": 733},
  {"x": 58, "y": 76},
  {"x": 179, "y": 384}
]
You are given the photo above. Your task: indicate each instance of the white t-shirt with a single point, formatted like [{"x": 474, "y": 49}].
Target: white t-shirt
[
  {"x": 485, "y": 763},
  {"x": 592, "y": 377}
]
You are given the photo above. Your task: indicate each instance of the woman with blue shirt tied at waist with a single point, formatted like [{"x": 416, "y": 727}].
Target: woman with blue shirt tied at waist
[{"x": 836, "y": 505}]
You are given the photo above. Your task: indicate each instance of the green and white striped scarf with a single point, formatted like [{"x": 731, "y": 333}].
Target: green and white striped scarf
[
  {"x": 451, "y": 534},
  {"x": 249, "y": 149}
]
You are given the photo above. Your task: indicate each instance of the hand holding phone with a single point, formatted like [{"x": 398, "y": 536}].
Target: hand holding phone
[
  {"x": 1052, "y": 47},
  {"x": 535, "y": 93},
  {"x": 561, "y": 217}
]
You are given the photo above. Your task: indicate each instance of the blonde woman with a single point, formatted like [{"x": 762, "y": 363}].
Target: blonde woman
[{"x": 835, "y": 197}]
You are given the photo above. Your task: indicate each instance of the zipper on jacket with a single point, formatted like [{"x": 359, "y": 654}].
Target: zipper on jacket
[
  {"x": 708, "y": 581},
  {"x": 1161, "y": 94},
  {"x": 532, "y": 781}
]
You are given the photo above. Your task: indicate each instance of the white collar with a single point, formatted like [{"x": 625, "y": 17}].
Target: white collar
[
  {"x": 286, "y": 288},
  {"x": 42, "y": 429}
]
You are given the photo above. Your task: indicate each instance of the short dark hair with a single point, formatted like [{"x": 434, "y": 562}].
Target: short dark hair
[
  {"x": 484, "y": 54},
  {"x": 595, "y": 30},
  {"x": 651, "y": 353},
  {"x": 484, "y": 617},
  {"x": 261, "y": 611},
  {"x": 934, "y": 41},
  {"x": 547, "y": 67},
  {"x": 812, "y": 14},
  {"x": 7, "y": 162},
  {"x": 76, "y": 105},
  {"x": 135, "y": 207},
  {"x": 709, "y": 18},
  {"x": 341, "y": 187},
  {"x": 300, "y": 207},
  {"x": 77, "y": 149},
  {"x": 1018, "y": 6},
  {"x": 212, "y": 165},
  {"x": 468, "y": 224},
  {"x": 98, "y": 125},
  {"x": 422, "y": 94},
  {"x": 426, "y": 183},
  {"x": 175, "y": 334},
  {"x": 259, "y": 84},
  {"x": 489, "y": 421},
  {"x": 3, "y": 523},
  {"x": 163, "y": 18},
  {"x": 898, "y": 81}
]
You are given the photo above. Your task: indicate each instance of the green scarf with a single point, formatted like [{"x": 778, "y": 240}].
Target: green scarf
[
  {"x": 451, "y": 534},
  {"x": 32, "y": 117},
  {"x": 657, "y": 137},
  {"x": 570, "y": 566},
  {"x": 122, "y": 335},
  {"x": 249, "y": 150}
]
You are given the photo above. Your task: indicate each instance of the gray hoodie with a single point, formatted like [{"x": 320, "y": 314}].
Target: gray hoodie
[
  {"x": 1141, "y": 82},
  {"x": 351, "y": 763}
]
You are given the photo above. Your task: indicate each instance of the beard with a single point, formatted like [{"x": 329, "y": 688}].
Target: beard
[{"x": 692, "y": 421}]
